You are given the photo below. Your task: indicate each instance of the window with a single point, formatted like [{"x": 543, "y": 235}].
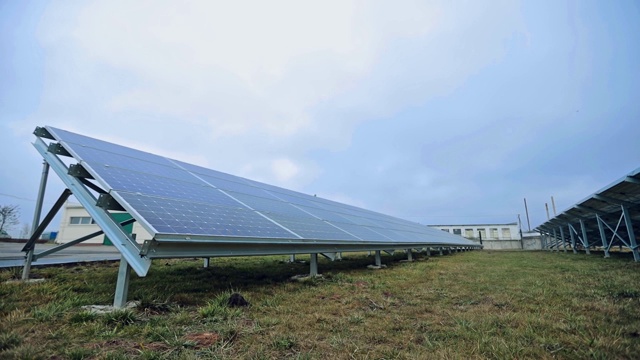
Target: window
[
  {"x": 482, "y": 233},
  {"x": 457, "y": 231},
  {"x": 506, "y": 233},
  {"x": 468, "y": 233},
  {"x": 81, "y": 220},
  {"x": 493, "y": 233}
]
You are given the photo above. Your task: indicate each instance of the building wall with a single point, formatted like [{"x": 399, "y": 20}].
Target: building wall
[
  {"x": 505, "y": 240},
  {"x": 527, "y": 243},
  {"x": 74, "y": 229},
  {"x": 509, "y": 231}
]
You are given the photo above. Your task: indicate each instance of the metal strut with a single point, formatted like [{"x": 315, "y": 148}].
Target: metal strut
[{"x": 29, "y": 247}]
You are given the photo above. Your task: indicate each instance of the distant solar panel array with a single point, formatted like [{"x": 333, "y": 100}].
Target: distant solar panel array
[
  {"x": 191, "y": 211},
  {"x": 609, "y": 217}
]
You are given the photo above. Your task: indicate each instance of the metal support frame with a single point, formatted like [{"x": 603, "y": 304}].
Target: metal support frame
[
  {"x": 41, "y": 190},
  {"x": 122, "y": 285},
  {"x": 429, "y": 251},
  {"x": 555, "y": 240},
  {"x": 573, "y": 239},
  {"x": 409, "y": 255},
  {"x": 36, "y": 220},
  {"x": 378, "y": 258},
  {"x": 125, "y": 244},
  {"x": 633, "y": 245},
  {"x": 440, "y": 251},
  {"x": 449, "y": 250},
  {"x": 585, "y": 239},
  {"x": 615, "y": 233},
  {"x": 548, "y": 240},
  {"x": 632, "y": 242},
  {"x": 313, "y": 265},
  {"x": 603, "y": 236},
  {"x": 564, "y": 243},
  {"x": 75, "y": 242},
  {"x": 206, "y": 262},
  {"x": 30, "y": 246}
]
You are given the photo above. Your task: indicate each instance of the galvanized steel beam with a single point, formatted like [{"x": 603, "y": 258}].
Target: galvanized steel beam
[
  {"x": 573, "y": 239},
  {"x": 121, "y": 240},
  {"x": 122, "y": 284},
  {"x": 603, "y": 236},
  {"x": 313, "y": 265},
  {"x": 585, "y": 239},
  {"x": 564, "y": 243},
  {"x": 633, "y": 245}
]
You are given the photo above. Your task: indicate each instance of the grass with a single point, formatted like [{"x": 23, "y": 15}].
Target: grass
[{"x": 478, "y": 304}]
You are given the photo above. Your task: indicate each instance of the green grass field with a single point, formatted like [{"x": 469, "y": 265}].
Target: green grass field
[{"x": 480, "y": 304}]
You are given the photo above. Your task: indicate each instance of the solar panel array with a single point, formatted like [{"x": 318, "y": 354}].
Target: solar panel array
[
  {"x": 605, "y": 204},
  {"x": 177, "y": 199}
]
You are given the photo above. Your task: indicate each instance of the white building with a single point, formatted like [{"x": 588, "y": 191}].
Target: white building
[
  {"x": 76, "y": 223},
  {"x": 509, "y": 231},
  {"x": 496, "y": 236}
]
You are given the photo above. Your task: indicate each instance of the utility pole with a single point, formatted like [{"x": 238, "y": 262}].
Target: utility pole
[
  {"x": 526, "y": 209},
  {"x": 546, "y": 206},
  {"x": 553, "y": 203},
  {"x": 520, "y": 228}
]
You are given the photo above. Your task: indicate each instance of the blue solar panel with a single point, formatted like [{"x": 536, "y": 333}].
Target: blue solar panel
[
  {"x": 85, "y": 141},
  {"x": 362, "y": 232},
  {"x": 311, "y": 228},
  {"x": 133, "y": 181},
  {"x": 324, "y": 214},
  {"x": 270, "y": 206},
  {"x": 171, "y": 197},
  {"x": 170, "y": 216},
  {"x": 296, "y": 200},
  {"x": 234, "y": 186}
]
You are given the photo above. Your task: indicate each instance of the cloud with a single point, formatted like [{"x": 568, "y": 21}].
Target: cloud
[
  {"x": 284, "y": 169},
  {"x": 238, "y": 86}
]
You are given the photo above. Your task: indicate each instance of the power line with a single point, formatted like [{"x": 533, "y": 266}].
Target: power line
[{"x": 16, "y": 197}]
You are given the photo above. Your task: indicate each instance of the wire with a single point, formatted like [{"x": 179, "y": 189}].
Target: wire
[{"x": 16, "y": 197}]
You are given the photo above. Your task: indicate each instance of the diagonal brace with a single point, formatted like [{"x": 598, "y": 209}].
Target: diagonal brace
[
  {"x": 47, "y": 219},
  {"x": 76, "y": 241}
]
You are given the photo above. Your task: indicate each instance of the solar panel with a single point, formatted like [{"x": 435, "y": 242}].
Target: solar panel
[{"x": 177, "y": 200}]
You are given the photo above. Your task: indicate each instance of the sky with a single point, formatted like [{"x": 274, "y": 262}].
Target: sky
[{"x": 439, "y": 112}]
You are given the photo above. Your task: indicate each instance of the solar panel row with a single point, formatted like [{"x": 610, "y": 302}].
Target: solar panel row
[{"x": 170, "y": 197}]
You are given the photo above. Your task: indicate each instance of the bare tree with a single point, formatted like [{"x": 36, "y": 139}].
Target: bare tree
[{"x": 9, "y": 216}]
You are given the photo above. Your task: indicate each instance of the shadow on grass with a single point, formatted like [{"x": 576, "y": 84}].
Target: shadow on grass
[{"x": 187, "y": 282}]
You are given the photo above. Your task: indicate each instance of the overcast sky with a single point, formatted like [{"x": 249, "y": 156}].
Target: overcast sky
[{"x": 438, "y": 112}]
